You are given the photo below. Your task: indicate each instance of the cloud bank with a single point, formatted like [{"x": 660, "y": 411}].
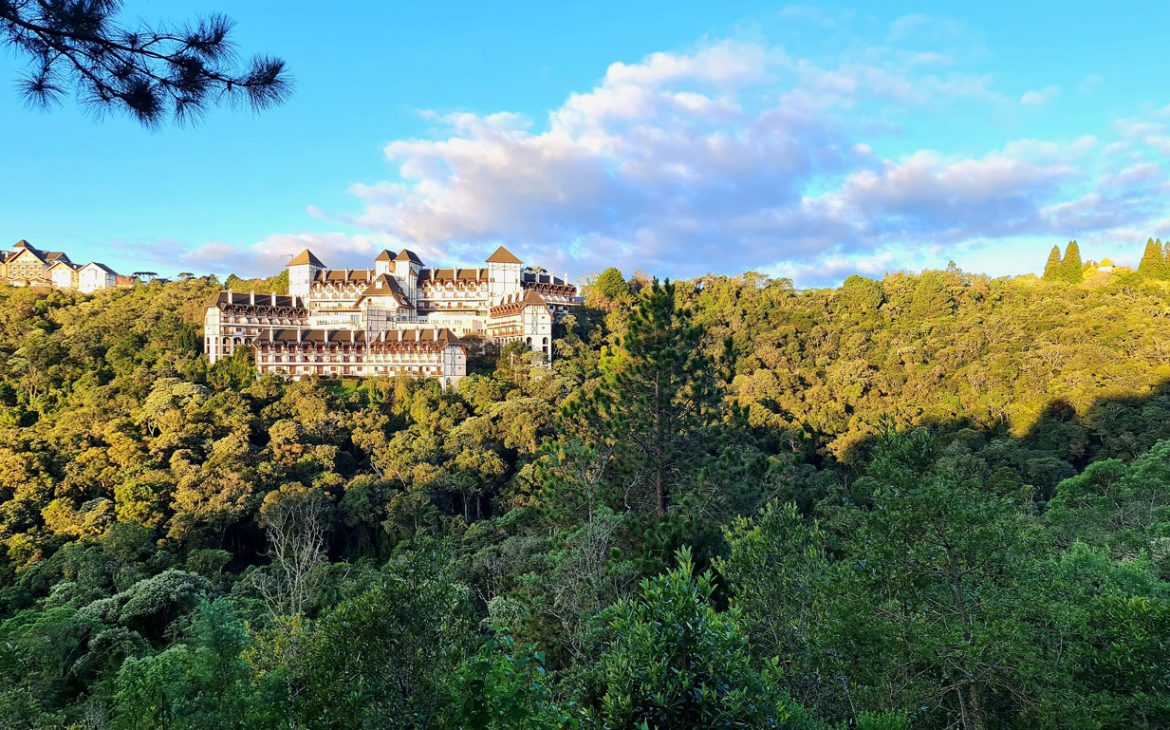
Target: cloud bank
[{"x": 740, "y": 155}]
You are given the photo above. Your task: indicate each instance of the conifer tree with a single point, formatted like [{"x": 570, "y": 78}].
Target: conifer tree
[
  {"x": 1165, "y": 257},
  {"x": 1072, "y": 269},
  {"x": 657, "y": 397},
  {"x": 1052, "y": 268},
  {"x": 1153, "y": 263}
]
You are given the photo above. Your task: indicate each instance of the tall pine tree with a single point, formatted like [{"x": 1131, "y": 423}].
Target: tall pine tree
[
  {"x": 1153, "y": 263},
  {"x": 656, "y": 400},
  {"x": 1052, "y": 268},
  {"x": 1072, "y": 268}
]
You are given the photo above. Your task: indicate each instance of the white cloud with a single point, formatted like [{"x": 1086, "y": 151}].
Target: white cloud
[
  {"x": 738, "y": 156},
  {"x": 270, "y": 254},
  {"x": 1039, "y": 97}
]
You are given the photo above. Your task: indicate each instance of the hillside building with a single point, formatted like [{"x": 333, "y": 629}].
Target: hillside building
[
  {"x": 398, "y": 318},
  {"x": 27, "y": 265}
]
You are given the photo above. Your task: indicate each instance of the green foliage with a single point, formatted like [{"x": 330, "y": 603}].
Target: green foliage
[
  {"x": 930, "y": 500},
  {"x": 1052, "y": 269},
  {"x": 504, "y": 687},
  {"x": 656, "y": 397},
  {"x": 201, "y": 684},
  {"x": 393, "y": 648},
  {"x": 1071, "y": 267},
  {"x": 677, "y": 662},
  {"x": 609, "y": 289},
  {"x": 1154, "y": 263}
]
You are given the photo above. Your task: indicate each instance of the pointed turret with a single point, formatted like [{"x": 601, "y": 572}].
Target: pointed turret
[
  {"x": 503, "y": 274},
  {"x": 301, "y": 271},
  {"x": 503, "y": 256}
]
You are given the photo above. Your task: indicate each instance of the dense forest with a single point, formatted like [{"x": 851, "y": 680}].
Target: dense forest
[{"x": 936, "y": 500}]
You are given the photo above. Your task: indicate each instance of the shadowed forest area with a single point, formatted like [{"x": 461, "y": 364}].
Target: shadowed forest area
[{"x": 934, "y": 500}]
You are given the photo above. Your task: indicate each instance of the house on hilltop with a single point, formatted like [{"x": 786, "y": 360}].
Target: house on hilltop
[{"x": 27, "y": 265}]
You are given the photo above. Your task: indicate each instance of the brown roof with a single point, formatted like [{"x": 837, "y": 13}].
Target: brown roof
[
  {"x": 346, "y": 275},
  {"x": 386, "y": 286},
  {"x": 384, "y": 256},
  {"x": 515, "y": 303},
  {"x": 56, "y": 256},
  {"x": 36, "y": 252},
  {"x": 306, "y": 257},
  {"x": 453, "y": 275},
  {"x": 24, "y": 244},
  {"x": 407, "y": 255},
  {"x": 263, "y": 299},
  {"x": 503, "y": 256},
  {"x": 438, "y": 336}
]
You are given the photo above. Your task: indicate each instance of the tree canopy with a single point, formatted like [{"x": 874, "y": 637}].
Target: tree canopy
[{"x": 929, "y": 500}]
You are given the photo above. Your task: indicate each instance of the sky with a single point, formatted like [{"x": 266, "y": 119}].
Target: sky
[{"x": 805, "y": 141}]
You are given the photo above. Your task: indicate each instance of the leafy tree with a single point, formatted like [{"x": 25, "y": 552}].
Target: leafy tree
[
  {"x": 608, "y": 289},
  {"x": 148, "y": 72},
  {"x": 677, "y": 662},
  {"x": 201, "y": 684},
  {"x": 505, "y": 686},
  {"x": 393, "y": 649},
  {"x": 779, "y": 572}
]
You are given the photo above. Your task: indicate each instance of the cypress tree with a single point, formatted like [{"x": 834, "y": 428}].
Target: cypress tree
[
  {"x": 1052, "y": 268},
  {"x": 1153, "y": 263},
  {"x": 1072, "y": 268},
  {"x": 1165, "y": 258}
]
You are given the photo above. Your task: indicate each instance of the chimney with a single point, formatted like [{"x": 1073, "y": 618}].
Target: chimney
[
  {"x": 274, "y": 299},
  {"x": 230, "y": 297},
  {"x": 252, "y": 298}
]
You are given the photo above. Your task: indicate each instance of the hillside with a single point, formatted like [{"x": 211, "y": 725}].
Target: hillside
[{"x": 930, "y": 500}]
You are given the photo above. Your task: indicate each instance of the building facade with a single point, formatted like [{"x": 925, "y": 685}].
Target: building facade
[
  {"x": 27, "y": 265},
  {"x": 398, "y": 318}
]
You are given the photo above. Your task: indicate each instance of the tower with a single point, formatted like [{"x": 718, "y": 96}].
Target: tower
[
  {"x": 384, "y": 263},
  {"x": 407, "y": 265},
  {"x": 503, "y": 274},
  {"x": 301, "y": 271}
]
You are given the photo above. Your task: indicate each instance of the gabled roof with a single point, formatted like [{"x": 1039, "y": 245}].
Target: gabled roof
[
  {"x": 103, "y": 267},
  {"x": 407, "y": 255},
  {"x": 56, "y": 256},
  {"x": 532, "y": 299},
  {"x": 384, "y": 256},
  {"x": 64, "y": 262},
  {"x": 31, "y": 250},
  {"x": 503, "y": 256},
  {"x": 306, "y": 257},
  {"x": 24, "y": 244},
  {"x": 386, "y": 286}
]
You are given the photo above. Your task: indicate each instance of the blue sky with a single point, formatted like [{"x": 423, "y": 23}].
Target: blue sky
[{"x": 810, "y": 141}]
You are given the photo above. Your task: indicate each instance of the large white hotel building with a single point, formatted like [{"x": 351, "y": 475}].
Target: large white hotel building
[{"x": 398, "y": 318}]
